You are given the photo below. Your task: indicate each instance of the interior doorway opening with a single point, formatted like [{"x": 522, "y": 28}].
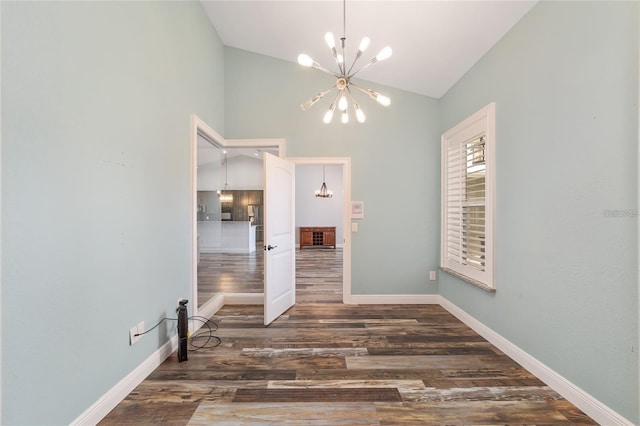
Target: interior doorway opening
[
  {"x": 211, "y": 155},
  {"x": 239, "y": 276},
  {"x": 341, "y": 191},
  {"x": 207, "y": 137}
]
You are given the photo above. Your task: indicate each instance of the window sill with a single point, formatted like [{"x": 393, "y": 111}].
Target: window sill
[{"x": 471, "y": 281}]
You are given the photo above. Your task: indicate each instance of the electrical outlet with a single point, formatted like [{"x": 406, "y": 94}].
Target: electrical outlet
[
  {"x": 136, "y": 329},
  {"x": 133, "y": 339},
  {"x": 432, "y": 275}
]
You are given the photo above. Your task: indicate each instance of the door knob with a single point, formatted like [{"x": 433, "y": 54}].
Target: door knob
[{"x": 270, "y": 247}]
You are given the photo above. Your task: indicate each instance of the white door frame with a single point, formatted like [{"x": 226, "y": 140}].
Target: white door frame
[
  {"x": 346, "y": 216},
  {"x": 198, "y": 126}
]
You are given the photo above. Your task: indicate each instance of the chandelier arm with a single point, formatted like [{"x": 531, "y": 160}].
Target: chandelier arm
[
  {"x": 334, "y": 52},
  {"x": 367, "y": 65},
  {"x": 381, "y": 99},
  {"x": 353, "y": 100},
  {"x": 335, "y": 101},
  {"x": 360, "y": 115},
  {"x": 335, "y": 57},
  {"x": 344, "y": 56},
  {"x": 318, "y": 67},
  {"x": 362, "y": 89},
  {"x": 315, "y": 98},
  {"x": 329, "y": 114},
  {"x": 353, "y": 64}
]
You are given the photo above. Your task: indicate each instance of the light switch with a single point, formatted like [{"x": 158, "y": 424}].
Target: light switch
[{"x": 354, "y": 226}]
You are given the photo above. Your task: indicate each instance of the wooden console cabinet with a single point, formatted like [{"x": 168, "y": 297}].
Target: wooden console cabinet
[{"x": 318, "y": 236}]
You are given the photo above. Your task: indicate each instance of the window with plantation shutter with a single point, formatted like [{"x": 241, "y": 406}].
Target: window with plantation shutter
[{"x": 467, "y": 199}]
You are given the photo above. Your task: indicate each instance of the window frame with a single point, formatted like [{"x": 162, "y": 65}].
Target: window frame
[{"x": 481, "y": 123}]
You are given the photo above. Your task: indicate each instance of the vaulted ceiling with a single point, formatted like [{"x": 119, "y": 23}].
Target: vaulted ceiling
[{"x": 434, "y": 42}]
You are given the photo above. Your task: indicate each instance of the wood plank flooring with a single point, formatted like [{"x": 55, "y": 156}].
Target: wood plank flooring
[
  {"x": 230, "y": 273},
  {"x": 324, "y": 363},
  {"x": 244, "y": 273}
]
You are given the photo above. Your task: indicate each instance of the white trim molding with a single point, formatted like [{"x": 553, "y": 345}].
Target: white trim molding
[
  {"x": 244, "y": 298},
  {"x": 598, "y": 411},
  {"x": 345, "y": 162},
  {"x": 94, "y": 414},
  {"x": 199, "y": 127},
  {"x": 392, "y": 299},
  {"x": 212, "y": 306},
  {"x": 107, "y": 402},
  {"x": 591, "y": 406},
  {"x": 467, "y": 186}
]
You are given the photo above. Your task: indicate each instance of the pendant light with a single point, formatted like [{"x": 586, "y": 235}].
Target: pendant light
[
  {"x": 344, "y": 76},
  {"x": 323, "y": 192},
  {"x": 226, "y": 196}
]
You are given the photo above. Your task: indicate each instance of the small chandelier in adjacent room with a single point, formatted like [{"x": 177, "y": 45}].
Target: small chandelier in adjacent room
[
  {"x": 323, "y": 192},
  {"x": 344, "y": 76},
  {"x": 225, "y": 195}
]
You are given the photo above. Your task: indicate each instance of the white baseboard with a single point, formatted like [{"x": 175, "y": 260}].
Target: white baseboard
[
  {"x": 244, "y": 298},
  {"x": 211, "y": 306},
  {"x": 94, "y": 414},
  {"x": 116, "y": 394},
  {"x": 595, "y": 409},
  {"x": 598, "y": 411},
  {"x": 208, "y": 250},
  {"x": 391, "y": 299}
]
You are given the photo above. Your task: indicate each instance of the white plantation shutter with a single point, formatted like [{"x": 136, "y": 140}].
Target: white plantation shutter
[{"x": 467, "y": 231}]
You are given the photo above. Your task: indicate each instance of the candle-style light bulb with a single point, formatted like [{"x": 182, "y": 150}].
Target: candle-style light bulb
[
  {"x": 384, "y": 54},
  {"x": 331, "y": 42},
  {"x": 305, "y": 60},
  {"x": 342, "y": 103},
  {"x": 359, "y": 114},
  {"x": 328, "y": 116},
  {"x": 383, "y": 100},
  {"x": 363, "y": 44}
]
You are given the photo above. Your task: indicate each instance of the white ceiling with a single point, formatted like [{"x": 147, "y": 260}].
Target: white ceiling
[{"x": 434, "y": 42}]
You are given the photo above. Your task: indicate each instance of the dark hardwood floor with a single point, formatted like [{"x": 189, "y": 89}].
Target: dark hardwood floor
[
  {"x": 244, "y": 273},
  {"x": 325, "y": 363},
  {"x": 230, "y": 273}
]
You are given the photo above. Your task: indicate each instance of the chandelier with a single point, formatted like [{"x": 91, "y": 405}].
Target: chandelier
[
  {"x": 323, "y": 192},
  {"x": 344, "y": 84}
]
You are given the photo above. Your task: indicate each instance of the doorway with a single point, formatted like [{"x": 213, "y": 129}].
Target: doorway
[
  {"x": 239, "y": 276},
  {"x": 201, "y": 131},
  {"x": 341, "y": 167},
  {"x": 208, "y": 148}
]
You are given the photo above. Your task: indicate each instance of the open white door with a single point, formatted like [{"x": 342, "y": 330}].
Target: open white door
[{"x": 279, "y": 237}]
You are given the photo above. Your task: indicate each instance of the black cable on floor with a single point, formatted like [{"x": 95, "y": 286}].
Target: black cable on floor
[
  {"x": 204, "y": 339},
  {"x": 195, "y": 340}
]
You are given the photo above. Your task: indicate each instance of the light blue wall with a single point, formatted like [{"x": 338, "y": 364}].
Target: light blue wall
[
  {"x": 395, "y": 162},
  {"x": 565, "y": 83},
  {"x": 96, "y": 100}
]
